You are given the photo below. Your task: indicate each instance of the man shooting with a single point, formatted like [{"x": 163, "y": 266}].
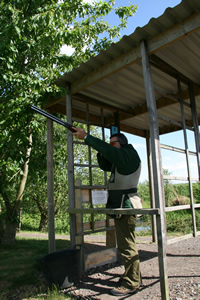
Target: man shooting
[{"x": 123, "y": 161}]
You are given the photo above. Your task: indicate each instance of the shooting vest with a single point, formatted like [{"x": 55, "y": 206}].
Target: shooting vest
[{"x": 120, "y": 186}]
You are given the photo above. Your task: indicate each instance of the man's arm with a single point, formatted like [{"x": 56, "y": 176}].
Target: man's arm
[
  {"x": 124, "y": 158},
  {"x": 104, "y": 164}
]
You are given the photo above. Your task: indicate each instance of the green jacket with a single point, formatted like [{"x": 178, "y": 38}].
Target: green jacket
[{"x": 125, "y": 159}]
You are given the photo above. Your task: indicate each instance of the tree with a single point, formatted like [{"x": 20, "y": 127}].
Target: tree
[
  {"x": 31, "y": 36},
  {"x": 35, "y": 196}
]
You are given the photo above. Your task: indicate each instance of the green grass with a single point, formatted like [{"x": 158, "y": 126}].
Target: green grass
[{"x": 20, "y": 272}]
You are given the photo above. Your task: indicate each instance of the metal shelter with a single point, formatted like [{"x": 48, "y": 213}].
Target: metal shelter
[{"x": 150, "y": 83}]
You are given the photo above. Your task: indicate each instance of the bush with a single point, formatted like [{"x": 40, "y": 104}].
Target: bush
[
  {"x": 180, "y": 200},
  {"x": 143, "y": 191},
  {"x": 179, "y": 221},
  {"x": 30, "y": 222}
]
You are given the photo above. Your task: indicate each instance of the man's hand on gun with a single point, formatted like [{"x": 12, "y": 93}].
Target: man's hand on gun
[{"x": 79, "y": 133}]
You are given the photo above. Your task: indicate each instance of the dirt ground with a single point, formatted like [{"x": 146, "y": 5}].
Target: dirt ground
[{"x": 183, "y": 269}]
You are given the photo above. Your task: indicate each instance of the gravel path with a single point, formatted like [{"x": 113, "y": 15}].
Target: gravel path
[
  {"x": 183, "y": 263},
  {"x": 183, "y": 268}
]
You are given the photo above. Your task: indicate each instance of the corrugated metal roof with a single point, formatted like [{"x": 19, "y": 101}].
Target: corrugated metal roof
[{"x": 114, "y": 78}]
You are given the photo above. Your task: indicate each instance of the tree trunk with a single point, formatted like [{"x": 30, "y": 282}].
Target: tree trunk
[
  {"x": 43, "y": 222},
  {"x": 9, "y": 233},
  {"x": 13, "y": 209},
  {"x": 24, "y": 175},
  {"x": 1, "y": 229}
]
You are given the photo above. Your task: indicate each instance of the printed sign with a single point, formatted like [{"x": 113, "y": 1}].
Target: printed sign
[
  {"x": 114, "y": 129},
  {"x": 99, "y": 197}
]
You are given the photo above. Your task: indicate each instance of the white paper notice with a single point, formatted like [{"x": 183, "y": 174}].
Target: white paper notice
[{"x": 99, "y": 197}]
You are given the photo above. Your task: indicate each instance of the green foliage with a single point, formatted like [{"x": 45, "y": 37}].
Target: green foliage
[
  {"x": 168, "y": 189},
  {"x": 36, "y": 185},
  {"x": 144, "y": 192},
  {"x": 197, "y": 215},
  {"x": 181, "y": 221},
  {"x": 183, "y": 190},
  {"x": 175, "y": 194},
  {"x": 31, "y": 36},
  {"x": 30, "y": 221},
  {"x": 196, "y": 191},
  {"x": 36, "y": 190}
]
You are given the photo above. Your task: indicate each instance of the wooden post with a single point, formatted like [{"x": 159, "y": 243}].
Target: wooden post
[
  {"x": 90, "y": 162},
  {"x": 195, "y": 124},
  {"x": 187, "y": 160},
  {"x": 151, "y": 188},
  {"x": 110, "y": 238},
  {"x": 103, "y": 138},
  {"x": 50, "y": 187},
  {"x": 157, "y": 170},
  {"x": 71, "y": 192},
  {"x": 79, "y": 222},
  {"x": 110, "y": 234}
]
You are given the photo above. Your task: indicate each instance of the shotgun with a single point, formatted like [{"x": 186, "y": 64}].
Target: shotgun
[{"x": 52, "y": 117}]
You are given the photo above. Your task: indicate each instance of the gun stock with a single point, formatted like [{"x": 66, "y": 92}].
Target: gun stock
[{"x": 52, "y": 117}]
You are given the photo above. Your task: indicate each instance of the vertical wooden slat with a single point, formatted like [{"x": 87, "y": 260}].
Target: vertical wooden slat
[
  {"x": 187, "y": 159},
  {"x": 151, "y": 187},
  {"x": 89, "y": 148},
  {"x": 79, "y": 217},
  {"x": 105, "y": 175},
  {"x": 90, "y": 162},
  {"x": 79, "y": 222},
  {"x": 110, "y": 239},
  {"x": 157, "y": 171},
  {"x": 110, "y": 234},
  {"x": 71, "y": 193},
  {"x": 50, "y": 187},
  {"x": 103, "y": 138}
]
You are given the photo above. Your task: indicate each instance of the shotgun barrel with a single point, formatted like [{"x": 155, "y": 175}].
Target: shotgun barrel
[{"x": 52, "y": 117}]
